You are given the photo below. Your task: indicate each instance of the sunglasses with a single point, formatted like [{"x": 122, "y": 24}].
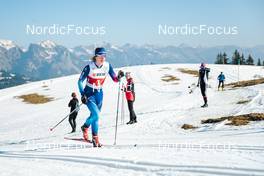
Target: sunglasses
[{"x": 101, "y": 55}]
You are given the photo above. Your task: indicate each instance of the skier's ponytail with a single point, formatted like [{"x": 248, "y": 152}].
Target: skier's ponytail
[{"x": 93, "y": 58}]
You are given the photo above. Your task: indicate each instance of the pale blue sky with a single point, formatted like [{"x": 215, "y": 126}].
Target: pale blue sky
[{"x": 134, "y": 21}]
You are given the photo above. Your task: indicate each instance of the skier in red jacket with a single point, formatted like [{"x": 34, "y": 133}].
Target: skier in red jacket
[{"x": 130, "y": 96}]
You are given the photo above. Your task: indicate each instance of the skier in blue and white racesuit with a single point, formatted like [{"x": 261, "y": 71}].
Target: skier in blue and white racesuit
[{"x": 95, "y": 73}]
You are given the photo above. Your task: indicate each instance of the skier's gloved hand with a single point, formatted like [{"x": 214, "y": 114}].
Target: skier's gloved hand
[
  {"x": 198, "y": 85},
  {"x": 120, "y": 74},
  {"x": 77, "y": 108},
  {"x": 123, "y": 89},
  {"x": 84, "y": 99}
]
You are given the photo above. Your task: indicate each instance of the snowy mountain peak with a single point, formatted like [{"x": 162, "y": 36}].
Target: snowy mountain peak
[
  {"x": 7, "y": 44},
  {"x": 47, "y": 44},
  {"x": 116, "y": 48}
]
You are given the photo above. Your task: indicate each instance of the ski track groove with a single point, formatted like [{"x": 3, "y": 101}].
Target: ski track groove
[
  {"x": 143, "y": 166},
  {"x": 84, "y": 145}
]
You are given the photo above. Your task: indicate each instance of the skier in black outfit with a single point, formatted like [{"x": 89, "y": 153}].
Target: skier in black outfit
[
  {"x": 73, "y": 104},
  {"x": 203, "y": 82}
]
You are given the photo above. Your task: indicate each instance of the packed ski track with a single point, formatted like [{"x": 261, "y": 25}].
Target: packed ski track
[{"x": 156, "y": 145}]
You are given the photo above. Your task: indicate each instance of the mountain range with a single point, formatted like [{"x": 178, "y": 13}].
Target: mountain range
[{"x": 48, "y": 60}]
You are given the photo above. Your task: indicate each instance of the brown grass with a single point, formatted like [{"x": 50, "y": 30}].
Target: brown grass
[
  {"x": 187, "y": 126},
  {"x": 237, "y": 120},
  {"x": 165, "y": 68},
  {"x": 246, "y": 83},
  {"x": 189, "y": 71},
  {"x": 35, "y": 98},
  {"x": 243, "y": 101},
  {"x": 169, "y": 78}
]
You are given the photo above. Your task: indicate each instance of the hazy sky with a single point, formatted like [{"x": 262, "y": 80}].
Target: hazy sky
[{"x": 134, "y": 21}]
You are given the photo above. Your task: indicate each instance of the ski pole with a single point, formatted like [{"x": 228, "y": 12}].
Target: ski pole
[
  {"x": 117, "y": 111},
  {"x": 76, "y": 109},
  {"x": 122, "y": 107}
]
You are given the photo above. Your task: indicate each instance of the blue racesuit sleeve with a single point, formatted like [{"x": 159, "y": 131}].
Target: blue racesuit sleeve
[
  {"x": 83, "y": 76},
  {"x": 112, "y": 73}
]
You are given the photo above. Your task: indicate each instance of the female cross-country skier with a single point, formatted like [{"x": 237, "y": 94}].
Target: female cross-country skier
[
  {"x": 203, "y": 82},
  {"x": 95, "y": 74}
]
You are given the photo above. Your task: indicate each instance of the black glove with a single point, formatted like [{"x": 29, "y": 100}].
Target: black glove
[
  {"x": 84, "y": 99},
  {"x": 120, "y": 74}
]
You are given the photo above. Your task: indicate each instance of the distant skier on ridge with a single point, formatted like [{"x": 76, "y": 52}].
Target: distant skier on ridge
[
  {"x": 221, "y": 79},
  {"x": 203, "y": 82}
]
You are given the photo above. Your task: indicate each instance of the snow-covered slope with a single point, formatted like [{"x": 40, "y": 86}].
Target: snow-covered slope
[{"x": 156, "y": 145}]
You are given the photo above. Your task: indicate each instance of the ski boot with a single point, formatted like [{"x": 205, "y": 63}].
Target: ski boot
[
  {"x": 130, "y": 122},
  {"x": 205, "y": 105},
  {"x": 96, "y": 142},
  {"x": 85, "y": 132},
  {"x": 134, "y": 121},
  {"x": 205, "y": 102}
]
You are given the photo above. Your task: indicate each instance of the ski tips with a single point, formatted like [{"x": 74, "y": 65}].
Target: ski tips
[{"x": 50, "y": 129}]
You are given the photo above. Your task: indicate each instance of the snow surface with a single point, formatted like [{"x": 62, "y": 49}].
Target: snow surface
[{"x": 156, "y": 145}]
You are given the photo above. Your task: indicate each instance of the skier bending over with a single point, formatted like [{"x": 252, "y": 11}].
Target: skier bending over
[
  {"x": 92, "y": 95},
  {"x": 203, "y": 82},
  {"x": 221, "y": 79}
]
